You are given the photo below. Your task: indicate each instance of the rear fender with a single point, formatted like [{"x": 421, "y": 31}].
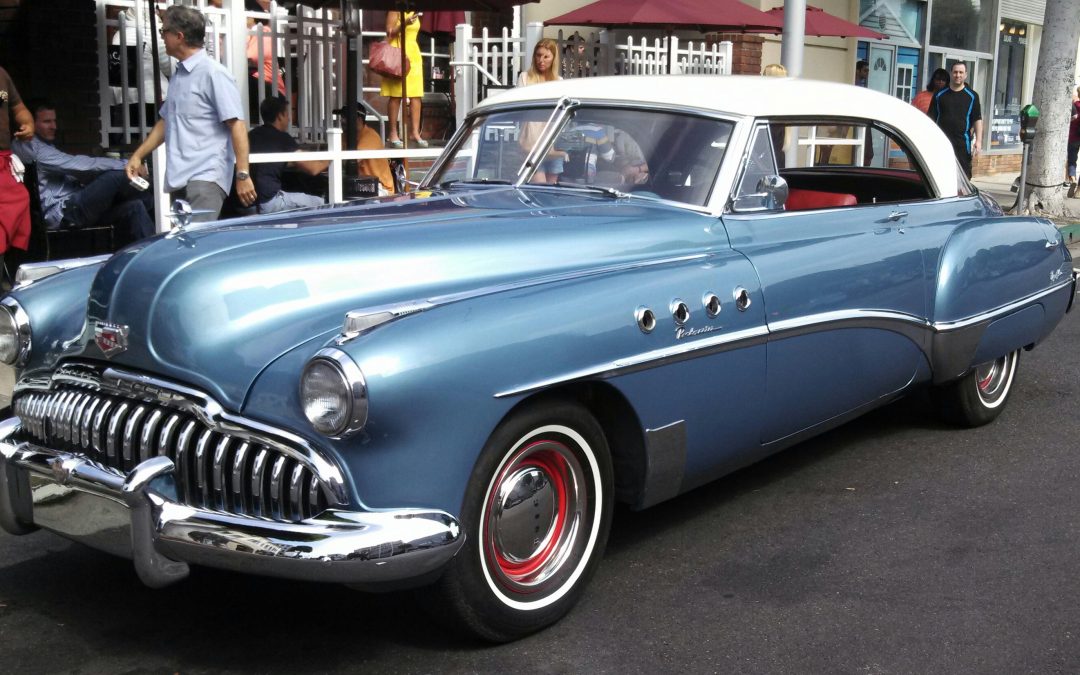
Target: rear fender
[{"x": 1002, "y": 284}]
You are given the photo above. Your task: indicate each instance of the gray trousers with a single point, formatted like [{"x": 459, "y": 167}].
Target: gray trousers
[{"x": 204, "y": 196}]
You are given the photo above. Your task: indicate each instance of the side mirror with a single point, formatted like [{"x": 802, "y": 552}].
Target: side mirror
[{"x": 770, "y": 195}]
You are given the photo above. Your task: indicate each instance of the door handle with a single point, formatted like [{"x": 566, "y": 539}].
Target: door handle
[{"x": 897, "y": 215}]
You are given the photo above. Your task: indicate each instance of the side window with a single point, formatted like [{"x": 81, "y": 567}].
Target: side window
[
  {"x": 753, "y": 193},
  {"x": 832, "y": 163}
]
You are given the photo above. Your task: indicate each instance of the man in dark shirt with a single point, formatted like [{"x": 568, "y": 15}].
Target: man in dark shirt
[
  {"x": 272, "y": 136},
  {"x": 957, "y": 111}
]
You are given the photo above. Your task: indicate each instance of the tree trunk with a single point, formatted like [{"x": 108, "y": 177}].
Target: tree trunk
[{"x": 1054, "y": 83}]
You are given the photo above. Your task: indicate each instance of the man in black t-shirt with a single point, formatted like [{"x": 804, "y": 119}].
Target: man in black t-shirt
[
  {"x": 273, "y": 137},
  {"x": 957, "y": 111}
]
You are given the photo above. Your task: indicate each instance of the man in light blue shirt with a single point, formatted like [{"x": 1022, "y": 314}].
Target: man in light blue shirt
[
  {"x": 82, "y": 191},
  {"x": 201, "y": 124}
]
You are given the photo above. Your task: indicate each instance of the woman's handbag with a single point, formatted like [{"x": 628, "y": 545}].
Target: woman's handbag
[{"x": 386, "y": 60}]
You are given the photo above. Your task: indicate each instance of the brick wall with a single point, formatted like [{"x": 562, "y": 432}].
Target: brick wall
[
  {"x": 50, "y": 49},
  {"x": 745, "y": 52}
]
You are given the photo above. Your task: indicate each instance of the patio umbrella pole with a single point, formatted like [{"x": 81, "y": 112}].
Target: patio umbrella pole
[
  {"x": 157, "y": 66},
  {"x": 403, "y": 125}
]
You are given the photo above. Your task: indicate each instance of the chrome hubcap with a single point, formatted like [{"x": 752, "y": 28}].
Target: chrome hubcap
[
  {"x": 534, "y": 517},
  {"x": 992, "y": 379}
]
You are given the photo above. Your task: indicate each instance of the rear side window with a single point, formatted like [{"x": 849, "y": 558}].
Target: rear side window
[{"x": 858, "y": 158}]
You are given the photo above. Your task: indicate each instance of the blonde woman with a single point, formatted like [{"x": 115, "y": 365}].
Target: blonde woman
[
  {"x": 544, "y": 68},
  {"x": 774, "y": 70}
]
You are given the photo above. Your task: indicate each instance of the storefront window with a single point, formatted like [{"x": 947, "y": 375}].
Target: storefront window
[
  {"x": 963, "y": 24},
  {"x": 1008, "y": 85}
]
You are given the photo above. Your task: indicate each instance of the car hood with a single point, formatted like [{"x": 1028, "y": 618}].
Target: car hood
[{"x": 214, "y": 305}]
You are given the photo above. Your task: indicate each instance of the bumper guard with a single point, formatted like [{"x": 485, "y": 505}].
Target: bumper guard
[{"x": 135, "y": 515}]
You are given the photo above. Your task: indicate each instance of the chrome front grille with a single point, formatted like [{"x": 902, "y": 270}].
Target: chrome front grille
[{"x": 215, "y": 470}]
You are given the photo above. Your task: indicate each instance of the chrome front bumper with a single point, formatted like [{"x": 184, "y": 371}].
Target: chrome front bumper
[{"x": 136, "y": 515}]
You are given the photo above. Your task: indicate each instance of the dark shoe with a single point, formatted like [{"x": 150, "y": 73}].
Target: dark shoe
[
  {"x": 72, "y": 216},
  {"x": 1072, "y": 190}
]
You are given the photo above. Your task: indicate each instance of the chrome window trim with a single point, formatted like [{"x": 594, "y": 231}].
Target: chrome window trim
[
  {"x": 135, "y": 387},
  {"x": 356, "y": 382},
  {"x": 22, "y": 330}
]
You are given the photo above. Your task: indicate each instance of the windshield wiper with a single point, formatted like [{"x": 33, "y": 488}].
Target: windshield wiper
[
  {"x": 475, "y": 181},
  {"x": 603, "y": 189}
]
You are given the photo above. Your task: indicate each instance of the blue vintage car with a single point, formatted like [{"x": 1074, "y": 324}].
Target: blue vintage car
[{"x": 606, "y": 290}]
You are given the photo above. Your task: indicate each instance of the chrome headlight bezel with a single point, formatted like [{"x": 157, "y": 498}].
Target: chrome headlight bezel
[
  {"x": 353, "y": 385},
  {"x": 20, "y": 322}
]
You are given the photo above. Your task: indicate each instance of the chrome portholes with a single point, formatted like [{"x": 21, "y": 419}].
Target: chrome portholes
[
  {"x": 711, "y": 303},
  {"x": 680, "y": 312},
  {"x": 742, "y": 298},
  {"x": 645, "y": 318}
]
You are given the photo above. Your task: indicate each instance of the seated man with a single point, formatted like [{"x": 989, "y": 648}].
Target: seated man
[
  {"x": 628, "y": 160},
  {"x": 272, "y": 136},
  {"x": 81, "y": 191}
]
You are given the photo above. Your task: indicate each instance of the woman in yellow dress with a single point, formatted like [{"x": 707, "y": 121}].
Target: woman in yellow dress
[{"x": 414, "y": 80}]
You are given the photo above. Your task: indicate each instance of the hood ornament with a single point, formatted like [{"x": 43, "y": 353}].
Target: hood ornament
[{"x": 110, "y": 338}]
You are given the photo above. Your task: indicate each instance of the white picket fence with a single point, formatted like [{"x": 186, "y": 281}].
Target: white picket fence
[{"x": 487, "y": 63}]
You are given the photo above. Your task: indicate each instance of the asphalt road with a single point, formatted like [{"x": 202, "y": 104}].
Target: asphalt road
[{"x": 892, "y": 545}]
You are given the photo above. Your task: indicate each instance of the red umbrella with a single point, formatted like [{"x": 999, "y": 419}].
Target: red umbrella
[
  {"x": 822, "y": 24},
  {"x": 701, "y": 15}
]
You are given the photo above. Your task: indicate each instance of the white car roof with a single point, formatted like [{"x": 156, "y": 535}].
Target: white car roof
[{"x": 753, "y": 96}]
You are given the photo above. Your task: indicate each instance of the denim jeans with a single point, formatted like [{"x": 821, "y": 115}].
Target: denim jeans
[
  {"x": 284, "y": 201},
  {"x": 110, "y": 199}
]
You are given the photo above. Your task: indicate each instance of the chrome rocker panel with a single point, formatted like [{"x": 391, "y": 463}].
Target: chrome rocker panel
[{"x": 135, "y": 515}]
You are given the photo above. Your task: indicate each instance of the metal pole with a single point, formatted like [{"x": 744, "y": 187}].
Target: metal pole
[
  {"x": 157, "y": 64},
  {"x": 1023, "y": 180},
  {"x": 791, "y": 47}
]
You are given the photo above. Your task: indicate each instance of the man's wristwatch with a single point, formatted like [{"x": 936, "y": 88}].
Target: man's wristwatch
[{"x": 242, "y": 175}]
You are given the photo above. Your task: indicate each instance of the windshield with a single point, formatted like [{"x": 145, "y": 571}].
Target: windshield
[{"x": 648, "y": 153}]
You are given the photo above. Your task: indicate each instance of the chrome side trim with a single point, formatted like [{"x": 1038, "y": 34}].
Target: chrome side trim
[
  {"x": 650, "y": 359},
  {"x": 417, "y": 306},
  {"x": 206, "y": 409},
  {"x": 942, "y": 326},
  {"x": 919, "y": 330},
  {"x": 30, "y": 272}
]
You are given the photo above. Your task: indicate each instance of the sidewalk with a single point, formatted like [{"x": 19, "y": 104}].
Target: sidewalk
[{"x": 999, "y": 185}]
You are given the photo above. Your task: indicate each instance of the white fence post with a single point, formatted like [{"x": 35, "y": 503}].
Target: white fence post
[
  {"x": 534, "y": 32},
  {"x": 162, "y": 205},
  {"x": 725, "y": 47},
  {"x": 333, "y": 141},
  {"x": 465, "y": 80}
]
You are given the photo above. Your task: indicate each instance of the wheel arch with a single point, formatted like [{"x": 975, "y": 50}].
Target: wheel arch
[{"x": 619, "y": 423}]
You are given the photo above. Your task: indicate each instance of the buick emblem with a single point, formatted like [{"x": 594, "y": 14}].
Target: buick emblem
[{"x": 110, "y": 338}]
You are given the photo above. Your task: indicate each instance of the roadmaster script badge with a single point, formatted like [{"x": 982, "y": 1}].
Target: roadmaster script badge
[{"x": 110, "y": 338}]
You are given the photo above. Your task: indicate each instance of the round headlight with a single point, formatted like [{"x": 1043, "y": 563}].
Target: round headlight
[
  {"x": 333, "y": 394},
  {"x": 14, "y": 332},
  {"x": 9, "y": 337}
]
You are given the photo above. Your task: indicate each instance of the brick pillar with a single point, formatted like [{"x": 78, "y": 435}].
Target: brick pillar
[{"x": 745, "y": 51}]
